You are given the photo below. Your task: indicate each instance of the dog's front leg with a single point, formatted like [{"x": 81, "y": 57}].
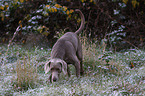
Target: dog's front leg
[{"x": 68, "y": 71}]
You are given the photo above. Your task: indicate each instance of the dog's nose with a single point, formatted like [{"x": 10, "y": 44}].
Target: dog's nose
[{"x": 54, "y": 79}]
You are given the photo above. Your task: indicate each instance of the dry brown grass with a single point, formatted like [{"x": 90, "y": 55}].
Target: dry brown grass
[{"x": 26, "y": 74}]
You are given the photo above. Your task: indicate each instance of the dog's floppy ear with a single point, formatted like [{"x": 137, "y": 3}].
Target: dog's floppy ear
[
  {"x": 47, "y": 67},
  {"x": 64, "y": 67}
]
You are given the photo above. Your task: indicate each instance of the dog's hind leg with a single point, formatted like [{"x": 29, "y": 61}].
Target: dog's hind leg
[
  {"x": 80, "y": 57},
  {"x": 76, "y": 63},
  {"x": 71, "y": 54}
]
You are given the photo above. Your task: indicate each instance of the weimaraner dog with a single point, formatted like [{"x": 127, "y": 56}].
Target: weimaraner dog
[{"x": 67, "y": 50}]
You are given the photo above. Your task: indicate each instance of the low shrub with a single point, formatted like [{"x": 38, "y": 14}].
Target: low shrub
[{"x": 26, "y": 75}]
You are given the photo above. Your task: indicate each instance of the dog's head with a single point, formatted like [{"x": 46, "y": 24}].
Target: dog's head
[{"x": 55, "y": 66}]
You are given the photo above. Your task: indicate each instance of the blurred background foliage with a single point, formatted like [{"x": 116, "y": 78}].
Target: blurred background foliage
[{"x": 120, "y": 22}]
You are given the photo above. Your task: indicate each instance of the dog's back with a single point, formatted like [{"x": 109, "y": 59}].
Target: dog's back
[{"x": 60, "y": 47}]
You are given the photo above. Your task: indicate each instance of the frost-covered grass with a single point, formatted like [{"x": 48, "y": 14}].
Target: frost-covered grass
[{"x": 106, "y": 73}]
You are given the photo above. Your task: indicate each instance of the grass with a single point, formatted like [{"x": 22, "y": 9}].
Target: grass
[{"x": 106, "y": 73}]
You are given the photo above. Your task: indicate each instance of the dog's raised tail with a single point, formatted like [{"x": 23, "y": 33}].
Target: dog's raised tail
[{"x": 82, "y": 21}]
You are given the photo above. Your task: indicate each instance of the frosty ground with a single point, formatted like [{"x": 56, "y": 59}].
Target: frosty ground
[{"x": 106, "y": 73}]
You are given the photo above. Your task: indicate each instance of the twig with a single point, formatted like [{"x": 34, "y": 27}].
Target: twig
[
  {"x": 106, "y": 13},
  {"x": 12, "y": 39},
  {"x": 131, "y": 44},
  {"x": 88, "y": 21}
]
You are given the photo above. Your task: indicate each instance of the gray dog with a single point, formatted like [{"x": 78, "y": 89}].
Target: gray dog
[{"x": 67, "y": 50}]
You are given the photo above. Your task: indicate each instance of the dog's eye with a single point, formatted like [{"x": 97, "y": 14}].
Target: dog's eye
[{"x": 52, "y": 69}]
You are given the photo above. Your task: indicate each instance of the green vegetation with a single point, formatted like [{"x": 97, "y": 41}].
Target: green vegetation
[
  {"x": 106, "y": 73},
  {"x": 122, "y": 22}
]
